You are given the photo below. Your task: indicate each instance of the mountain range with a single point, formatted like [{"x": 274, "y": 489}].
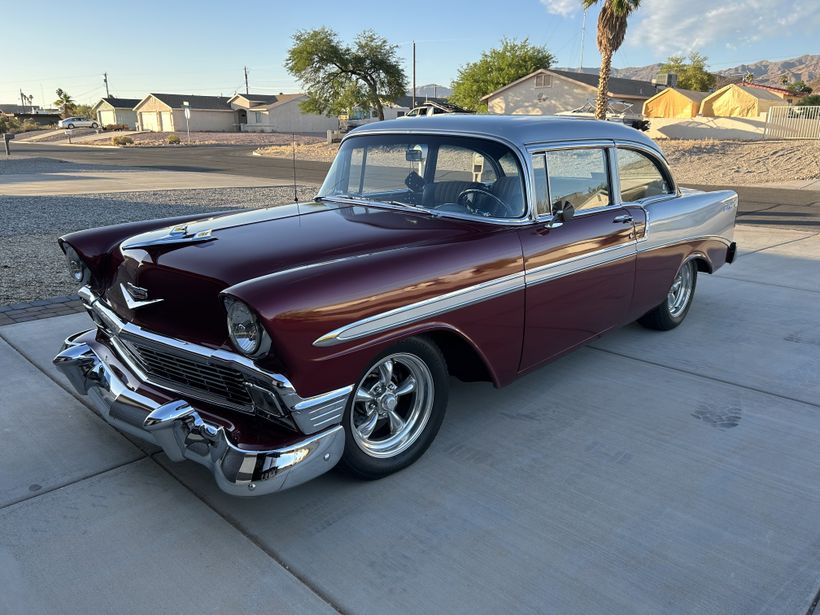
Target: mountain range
[{"x": 805, "y": 67}]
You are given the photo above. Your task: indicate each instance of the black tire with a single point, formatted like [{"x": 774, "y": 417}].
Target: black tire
[
  {"x": 94, "y": 125},
  {"x": 663, "y": 317},
  {"x": 364, "y": 465},
  {"x": 71, "y": 126}
]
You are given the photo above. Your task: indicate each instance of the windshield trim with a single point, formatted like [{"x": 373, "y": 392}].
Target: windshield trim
[{"x": 522, "y": 156}]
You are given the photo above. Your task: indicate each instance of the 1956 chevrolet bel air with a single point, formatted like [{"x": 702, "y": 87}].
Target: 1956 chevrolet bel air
[{"x": 271, "y": 344}]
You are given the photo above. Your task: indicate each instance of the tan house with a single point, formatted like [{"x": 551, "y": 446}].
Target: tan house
[
  {"x": 112, "y": 110},
  {"x": 166, "y": 113},
  {"x": 278, "y": 113},
  {"x": 548, "y": 91}
]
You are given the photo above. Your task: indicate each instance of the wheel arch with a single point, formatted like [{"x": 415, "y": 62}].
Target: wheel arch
[
  {"x": 701, "y": 260},
  {"x": 464, "y": 359}
]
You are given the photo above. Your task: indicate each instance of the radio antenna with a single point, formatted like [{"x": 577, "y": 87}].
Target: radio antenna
[{"x": 293, "y": 159}]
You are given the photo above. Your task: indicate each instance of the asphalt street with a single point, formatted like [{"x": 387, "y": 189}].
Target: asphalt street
[{"x": 759, "y": 206}]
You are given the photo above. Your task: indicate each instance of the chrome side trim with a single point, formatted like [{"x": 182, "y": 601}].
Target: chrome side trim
[
  {"x": 646, "y": 245},
  {"x": 423, "y": 309},
  {"x": 560, "y": 269},
  {"x": 487, "y": 290}
]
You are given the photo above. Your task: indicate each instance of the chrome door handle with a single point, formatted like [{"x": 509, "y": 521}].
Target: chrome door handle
[{"x": 622, "y": 219}]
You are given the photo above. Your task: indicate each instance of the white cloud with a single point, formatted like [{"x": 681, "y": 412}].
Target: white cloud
[
  {"x": 678, "y": 26},
  {"x": 565, "y": 8}
]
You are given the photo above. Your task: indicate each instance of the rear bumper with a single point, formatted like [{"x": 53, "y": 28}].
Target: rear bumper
[{"x": 181, "y": 432}]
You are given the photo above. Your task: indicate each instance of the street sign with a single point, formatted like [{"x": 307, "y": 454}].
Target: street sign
[{"x": 187, "y": 110}]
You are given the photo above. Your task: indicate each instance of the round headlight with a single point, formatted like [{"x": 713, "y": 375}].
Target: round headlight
[
  {"x": 244, "y": 328},
  {"x": 79, "y": 271}
]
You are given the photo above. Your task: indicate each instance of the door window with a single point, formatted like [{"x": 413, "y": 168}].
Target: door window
[
  {"x": 578, "y": 177},
  {"x": 640, "y": 176}
]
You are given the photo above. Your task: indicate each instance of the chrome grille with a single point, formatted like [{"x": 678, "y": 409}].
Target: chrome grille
[{"x": 189, "y": 372}]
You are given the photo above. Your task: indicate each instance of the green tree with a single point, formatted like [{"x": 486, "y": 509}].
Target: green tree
[
  {"x": 336, "y": 77},
  {"x": 812, "y": 100},
  {"x": 64, "y": 101},
  {"x": 692, "y": 75},
  {"x": 84, "y": 111},
  {"x": 611, "y": 32},
  {"x": 495, "y": 69},
  {"x": 799, "y": 87}
]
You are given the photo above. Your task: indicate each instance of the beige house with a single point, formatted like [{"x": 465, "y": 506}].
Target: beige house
[
  {"x": 166, "y": 113},
  {"x": 548, "y": 91},
  {"x": 112, "y": 110},
  {"x": 278, "y": 113}
]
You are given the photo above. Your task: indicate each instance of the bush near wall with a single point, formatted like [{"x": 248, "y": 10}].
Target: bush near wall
[
  {"x": 122, "y": 140},
  {"x": 173, "y": 139},
  {"x": 109, "y": 127}
]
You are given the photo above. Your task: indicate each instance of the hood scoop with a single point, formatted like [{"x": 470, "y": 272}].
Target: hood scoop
[{"x": 178, "y": 234}]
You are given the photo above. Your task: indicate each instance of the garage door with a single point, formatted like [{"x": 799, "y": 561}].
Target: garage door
[
  {"x": 107, "y": 117},
  {"x": 149, "y": 120},
  {"x": 166, "y": 122}
]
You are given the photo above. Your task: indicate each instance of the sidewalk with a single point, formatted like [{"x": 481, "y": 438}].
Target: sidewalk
[{"x": 644, "y": 473}]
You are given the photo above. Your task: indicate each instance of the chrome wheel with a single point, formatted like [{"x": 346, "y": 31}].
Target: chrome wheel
[
  {"x": 681, "y": 291},
  {"x": 392, "y": 405}
]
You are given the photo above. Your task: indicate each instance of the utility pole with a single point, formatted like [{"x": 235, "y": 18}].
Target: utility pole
[
  {"x": 414, "y": 75},
  {"x": 105, "y": 80},
  {"x": 247, "y": 91},
  {"x": 583, "y": 31}
]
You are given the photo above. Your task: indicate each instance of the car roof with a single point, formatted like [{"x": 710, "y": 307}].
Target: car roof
[{"x": 522, "y": 130}]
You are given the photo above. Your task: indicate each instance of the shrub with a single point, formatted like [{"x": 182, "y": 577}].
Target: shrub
[
  {"x": 810, "y": 101},
  {"x": 173, "y": 139},
  {"x": 116, "y": 127},
  {"x": 122, "y": 140}
]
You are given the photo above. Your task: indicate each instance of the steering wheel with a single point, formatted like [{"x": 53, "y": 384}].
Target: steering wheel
[{"x": 499, "y": 208}]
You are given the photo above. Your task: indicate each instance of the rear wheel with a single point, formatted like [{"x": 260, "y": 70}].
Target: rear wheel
[
  {"x": 94, "y": 125},
  {"x": 396, "y": 409},
  {"x": 673, "y": 310},
  {"x": 71, "y": 125}
]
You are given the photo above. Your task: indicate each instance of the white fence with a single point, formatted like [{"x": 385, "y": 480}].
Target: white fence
[{"x": 793, "y": 123}]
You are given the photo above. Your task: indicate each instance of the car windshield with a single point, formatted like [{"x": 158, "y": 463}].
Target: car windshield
[{"x": 442, "y": 174}]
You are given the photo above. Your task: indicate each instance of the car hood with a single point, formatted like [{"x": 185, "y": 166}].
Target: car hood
[{"x": 187, "y": 267}]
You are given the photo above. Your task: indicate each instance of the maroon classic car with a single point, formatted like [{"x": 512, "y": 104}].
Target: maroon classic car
[{"x": 271, "y": 344}]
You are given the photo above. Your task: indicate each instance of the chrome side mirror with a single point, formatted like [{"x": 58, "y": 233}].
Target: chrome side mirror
[{"x": 565, "y": 214}]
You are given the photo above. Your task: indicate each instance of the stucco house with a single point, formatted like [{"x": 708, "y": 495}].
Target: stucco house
[
  {"x": 278, "y": 113},
  {"x": 549, "y": 91},
  {"x": 166, "y": 113},
  {"x": 113, "y": 110}
]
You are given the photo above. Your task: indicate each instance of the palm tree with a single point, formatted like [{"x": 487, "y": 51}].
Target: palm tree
[
  {"x": 611, "y": 32},
  {"x": 64, "y": 101}
]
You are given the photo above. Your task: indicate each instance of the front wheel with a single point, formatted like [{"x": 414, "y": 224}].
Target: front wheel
[
  {"x": 396, "y": 409},
  {"x": 673, "y": 310}
]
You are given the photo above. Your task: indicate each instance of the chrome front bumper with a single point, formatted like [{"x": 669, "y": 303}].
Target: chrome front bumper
[{"x": 180, "y": 431}]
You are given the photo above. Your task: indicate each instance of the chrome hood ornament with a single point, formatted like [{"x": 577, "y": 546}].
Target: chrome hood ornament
[
  {"x": 136, "y": 296},
  {"x": 177, "y": 234}
]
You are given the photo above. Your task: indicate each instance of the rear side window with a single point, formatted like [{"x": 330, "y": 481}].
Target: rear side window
[
  {"x": 578, "y": 177},
  {"x": 640, "y": 176}
]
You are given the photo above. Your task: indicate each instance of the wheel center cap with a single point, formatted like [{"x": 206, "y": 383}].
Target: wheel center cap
[{"x": 389, "y": 402}]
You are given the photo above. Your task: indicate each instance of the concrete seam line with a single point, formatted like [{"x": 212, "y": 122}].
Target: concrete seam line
[
  {"x": 71, "y": 482},
  {"x": 777, "y": 245},
  {"x": 813, "y": 605},
  {"x": 65, "y": 388},
  {"x": 234, "y": 523},
  {"x": 712, "y": 378},
  {"x": 804, "y": 290}
]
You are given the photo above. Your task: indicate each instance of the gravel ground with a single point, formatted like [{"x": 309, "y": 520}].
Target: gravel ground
[
  {"x": 212, "y": 138},
  {"x": 708, "y": 161},
  {"x": 31, "y": 263}
]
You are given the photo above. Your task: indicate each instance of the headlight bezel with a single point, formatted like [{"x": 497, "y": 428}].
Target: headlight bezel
[
  {"x": 241, "y": 320},
  {"x": 78, "y": 271}
]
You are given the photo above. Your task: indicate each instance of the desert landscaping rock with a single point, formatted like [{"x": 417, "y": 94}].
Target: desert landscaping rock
[{"x": 31, "y": 263}]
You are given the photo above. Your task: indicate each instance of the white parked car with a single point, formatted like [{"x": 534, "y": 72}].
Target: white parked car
[{"x": 77, "y": 122}]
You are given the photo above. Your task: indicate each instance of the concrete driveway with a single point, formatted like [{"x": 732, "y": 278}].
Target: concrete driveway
[{"x": 648, "y": 472}]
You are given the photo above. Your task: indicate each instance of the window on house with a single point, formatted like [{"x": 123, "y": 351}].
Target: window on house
[
  {"x": 543, "y": 81},
  {"x": 257, "y": 117}
]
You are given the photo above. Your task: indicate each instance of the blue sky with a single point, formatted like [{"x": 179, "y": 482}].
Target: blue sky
[{"x": 201, "y": 49}]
